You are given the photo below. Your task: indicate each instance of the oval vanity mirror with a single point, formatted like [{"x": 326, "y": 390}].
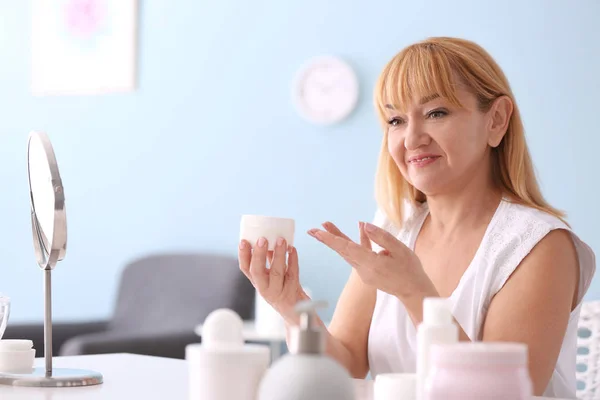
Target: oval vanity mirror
[
  {"x": 49, "y": 227},
  {"x": 48, "y": 216}
]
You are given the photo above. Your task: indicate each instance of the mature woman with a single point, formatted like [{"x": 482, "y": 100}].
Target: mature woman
[{"x": 460, "y": 216}]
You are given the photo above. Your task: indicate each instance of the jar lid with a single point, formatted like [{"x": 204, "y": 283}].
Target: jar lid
[
  {"x": 479, "y": 353},
  {"x": 222, "y": 329},
  {"x": 15, "y": 345}
]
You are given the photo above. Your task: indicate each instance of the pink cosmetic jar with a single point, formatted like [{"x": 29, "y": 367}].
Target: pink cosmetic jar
[{"x": 479, "y": 370}]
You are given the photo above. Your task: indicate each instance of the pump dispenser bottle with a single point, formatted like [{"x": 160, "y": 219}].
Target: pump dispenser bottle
[{"x": 306, "y": 372}]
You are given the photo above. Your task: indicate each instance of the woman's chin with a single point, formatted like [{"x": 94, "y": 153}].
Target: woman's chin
[{"x": 428, "y": 187}]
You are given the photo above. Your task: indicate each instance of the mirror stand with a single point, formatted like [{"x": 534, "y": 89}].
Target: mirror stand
[
  {"x": 49, "y": 376},
  {"x": 49, "y": 228}
]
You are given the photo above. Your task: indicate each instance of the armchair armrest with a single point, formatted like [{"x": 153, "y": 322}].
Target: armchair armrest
[
  {"x": 61, "y": 332},
  {"x": 162, "y": 344}
]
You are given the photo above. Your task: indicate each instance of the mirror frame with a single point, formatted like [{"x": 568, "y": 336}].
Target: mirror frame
[{"x": 48, "y": 251}]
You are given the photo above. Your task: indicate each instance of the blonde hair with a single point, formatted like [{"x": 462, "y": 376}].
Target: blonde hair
[{"x": 433, "y": 66}]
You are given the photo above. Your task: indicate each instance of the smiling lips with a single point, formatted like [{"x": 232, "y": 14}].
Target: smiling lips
[{"x": 423, "y": 159}]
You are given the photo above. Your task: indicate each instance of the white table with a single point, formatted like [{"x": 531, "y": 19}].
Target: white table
[{"x": 127, "y": 377}]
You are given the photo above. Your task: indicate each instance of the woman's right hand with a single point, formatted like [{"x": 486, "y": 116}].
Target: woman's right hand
[{"x": 279, "y": 285}]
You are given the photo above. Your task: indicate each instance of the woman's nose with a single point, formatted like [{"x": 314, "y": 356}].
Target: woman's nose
[{"x": 415, "y": 136}]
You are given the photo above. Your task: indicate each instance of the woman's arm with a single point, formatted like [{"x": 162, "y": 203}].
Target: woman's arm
[
  {"x": 534, "y": 305},
  {"x": 349, "y": 329},
  {"x": 348, "y": 332}
]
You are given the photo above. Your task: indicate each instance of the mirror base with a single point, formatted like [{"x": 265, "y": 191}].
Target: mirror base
[{"x": 60, "y": 377}]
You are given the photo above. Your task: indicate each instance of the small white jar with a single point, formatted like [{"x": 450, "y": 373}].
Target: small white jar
[
  {"x": 253, "y": 227},
  {"x": 16, "y": 356}
]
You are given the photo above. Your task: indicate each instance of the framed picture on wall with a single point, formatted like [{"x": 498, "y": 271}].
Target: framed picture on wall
[{"x": 83, "y": 47}]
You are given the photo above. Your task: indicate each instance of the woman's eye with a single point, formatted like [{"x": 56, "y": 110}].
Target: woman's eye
[
  {"x": 437, "y": 114},
  {"x": 395, "y": 121}
]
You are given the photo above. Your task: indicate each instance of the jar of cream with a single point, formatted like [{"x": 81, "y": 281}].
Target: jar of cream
[{"x": 479, "y": 370}]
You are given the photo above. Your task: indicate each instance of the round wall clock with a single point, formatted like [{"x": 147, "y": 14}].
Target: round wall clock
[{"x": 325, "y": 90}]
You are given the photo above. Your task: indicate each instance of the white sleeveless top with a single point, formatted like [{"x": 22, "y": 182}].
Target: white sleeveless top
[{"x": 512, "y": 233}]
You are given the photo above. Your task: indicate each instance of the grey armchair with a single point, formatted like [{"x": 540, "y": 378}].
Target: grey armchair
[{"x": 161, "y": 298}]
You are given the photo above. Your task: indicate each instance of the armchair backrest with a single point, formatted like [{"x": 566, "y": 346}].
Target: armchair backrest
[{"x": 168, "y": 292}]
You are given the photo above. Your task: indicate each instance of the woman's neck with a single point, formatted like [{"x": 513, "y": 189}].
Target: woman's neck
[{"x": 475, "y": 203}]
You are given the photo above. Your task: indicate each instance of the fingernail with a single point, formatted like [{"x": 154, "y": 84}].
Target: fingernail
[
  {"x": 261, "y": 242},
  {"x": 242, "y": 245},
  {"x": 290, "y": 249},
  {"x": 369, "y": 227},
  {"x": 312, "y": 232},
  {"x": 361, "y": 224},
  {"x": 279, "y": 242}
]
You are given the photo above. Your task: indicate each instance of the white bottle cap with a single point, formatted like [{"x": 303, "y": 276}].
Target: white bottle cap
[
  {"x": 253, "y": 227},
  {"x": 222, "y": 328},
  {"x": 436, "y": 311},
  {"x": 395, "y": 386}
]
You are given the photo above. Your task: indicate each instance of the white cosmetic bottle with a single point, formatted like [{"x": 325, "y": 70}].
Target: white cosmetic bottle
[
  {"x": 438, "y": 327},
  {"x": 222, "y": 367},
  {"x": 306, "y": 372}
]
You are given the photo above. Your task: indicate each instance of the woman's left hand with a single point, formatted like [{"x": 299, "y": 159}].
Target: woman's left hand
[{"x": 395, "y": 270}]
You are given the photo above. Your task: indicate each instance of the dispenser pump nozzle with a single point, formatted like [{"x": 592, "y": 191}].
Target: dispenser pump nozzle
[{"x": 308, "y": 338}]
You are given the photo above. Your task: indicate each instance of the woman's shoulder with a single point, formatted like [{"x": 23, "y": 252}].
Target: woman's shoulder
[
  {"x": 531, "y": 215},
  {"x": 519, "y": 228}
]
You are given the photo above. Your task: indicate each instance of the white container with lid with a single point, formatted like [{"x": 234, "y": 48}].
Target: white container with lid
[
  {"x": 479, "y": 370},
  {"x": 16, "y": 356},
  {"x": 222, "y": 367},
  {"x": 253, "y": 227}
]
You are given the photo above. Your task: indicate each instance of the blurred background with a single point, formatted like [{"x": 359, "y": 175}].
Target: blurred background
[{"x": 210, "y": 132}]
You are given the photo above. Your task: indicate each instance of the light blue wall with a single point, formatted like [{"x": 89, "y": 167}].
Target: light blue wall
[{"x": 211, "y": 133}]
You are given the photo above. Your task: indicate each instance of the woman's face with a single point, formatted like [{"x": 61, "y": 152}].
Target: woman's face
[{"x": 439, "y": 147}]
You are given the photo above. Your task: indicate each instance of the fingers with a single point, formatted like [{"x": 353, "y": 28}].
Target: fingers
[
  {"x": 334, "y": 242},
  {"x": 244, "y": 257},
  {"x": 270, "y": 254},
  {"x": 258, "y": 270},
  {"x": 352, "y": 252},
  {"x": 331, "y": 228},
  {"x": 278, "y": 266},
  {"x": 382, "y": 237},
  {"x": 364, "y": 238},
  {"x": 292, "y": 275}
]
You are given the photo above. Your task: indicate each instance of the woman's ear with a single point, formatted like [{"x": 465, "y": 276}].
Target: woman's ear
[{"x": 500, "y": 114}]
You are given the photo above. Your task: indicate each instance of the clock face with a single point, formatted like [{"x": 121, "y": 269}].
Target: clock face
[{"x": 326, "y": 90}]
